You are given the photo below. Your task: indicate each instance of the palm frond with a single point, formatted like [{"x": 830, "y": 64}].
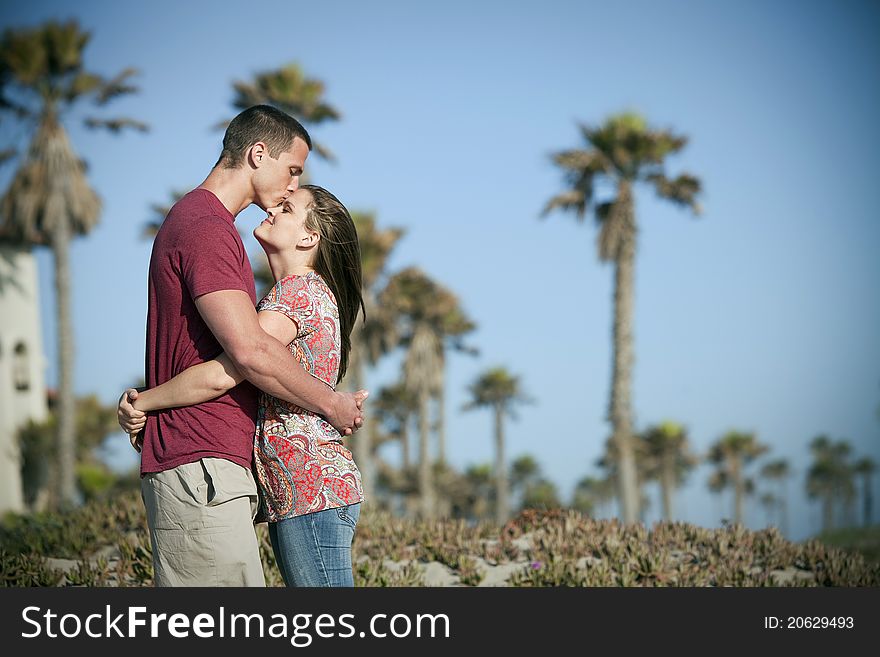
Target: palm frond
[
  {"x": 572, "y": 199},
  {"x": 80, "y": 85},
  {"x": 49, "y": 186},
  {"x": 116, "y": 125},
  {"x": 682, "y": 190},
  {"x": 118, "y": 86}
]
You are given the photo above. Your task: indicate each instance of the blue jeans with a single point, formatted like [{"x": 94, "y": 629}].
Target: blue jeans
[{"x": 315, "y": 549}]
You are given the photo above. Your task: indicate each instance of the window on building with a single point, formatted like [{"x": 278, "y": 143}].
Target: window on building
[{"x": 21, "y": 371}]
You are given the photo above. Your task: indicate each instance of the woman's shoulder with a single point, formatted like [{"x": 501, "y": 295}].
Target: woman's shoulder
[
  {"x": 319, "y": 286},
  {"x": 298, "y": 290}
]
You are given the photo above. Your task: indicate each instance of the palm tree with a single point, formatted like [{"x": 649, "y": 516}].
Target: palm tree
[
  {"x": 523, "y": 471},
  {"x": 541, "y": 494},
  {"x": 49, "y": 200},
  {"x": 865, "y": 468},
  {"x": 731, "y": 454},
  {"x": 498, "y": 390},
  {"x": 769, "y": 501},
  {"x": 288, "y": 89},
  {"x": 453, "y": 326},
  {"x": 718, "y": 482},
  {"x": 609, "y": 462},
  {"x": 779, "y": 472},
  {"x": 620, "y": 153},
  {"x": 373, "y": 336},
  {"x": 394, "y": 407},
  {"x": 419, "y": 308},
  {"x": 583, "y": 499},
  {"x": 830, "y": 476},
  {"x": 591, "y": 494},
  {"x": 407, "y": 298},
  {"x": 421, "y": 376},
  {"x": 480, "y": 490},
  {"x": 668, "y": 459}
]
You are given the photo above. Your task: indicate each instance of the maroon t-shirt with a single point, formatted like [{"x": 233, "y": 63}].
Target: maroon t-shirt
[{"x": 196, "y": 251}]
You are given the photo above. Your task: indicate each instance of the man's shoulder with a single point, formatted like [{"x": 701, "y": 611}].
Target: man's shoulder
[
  {"x": 195, "y": 217},
  {"x": 194, "y": 204}
]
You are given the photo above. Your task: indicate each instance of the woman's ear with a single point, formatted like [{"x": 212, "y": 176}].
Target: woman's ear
[{"x": 311, "y": 239}]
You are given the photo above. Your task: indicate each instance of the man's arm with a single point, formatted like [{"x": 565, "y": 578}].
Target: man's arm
[{"x": 268, "y": 364}]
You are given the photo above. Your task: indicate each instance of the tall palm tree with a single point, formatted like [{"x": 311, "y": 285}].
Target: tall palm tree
[
  {"x": 830, "y": 476},
  {"x": 770, "y": 503},
  {"x": 407, "y": 298},
  {"x": 621, "y": 153},
  {"x": 718, "y": 482},
  {"x": 373, "y": 336},
  {"x": 865, "y": 468},
  {"x": 288, "y": 89},
  {"x": 49, "y": 200},
  {"x": 779, "y": 471},
  {"x": 609, "y": 463},
  {"x": 668, "y": 459},
  {"x": 394, "y": 407},
  {"x": 421, "y": 371},
  {"x": 419, "y": 308},
  {"x": 500, "y": 391},
  {"x": 453, "y": 325},
  {"x": 731, "y": 454}
]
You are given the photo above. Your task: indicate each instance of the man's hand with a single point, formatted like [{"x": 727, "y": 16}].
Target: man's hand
[
  {"x": 346, "y": 415},
  {"x": 130, "y": 419}
]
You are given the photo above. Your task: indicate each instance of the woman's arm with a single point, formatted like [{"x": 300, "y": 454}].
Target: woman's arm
[
  {"x": 206, "y": 381},
  {"x": 194, "y": 385}
]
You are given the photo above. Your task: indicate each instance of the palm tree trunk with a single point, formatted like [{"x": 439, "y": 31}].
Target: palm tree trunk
[
  {"x": 866, "y": 500},
  {"x": 738, "y": 491},
  {"x": 666, "y": 486},
  {"x": 441, "y": 416},
  {"x": 827, "y": 512},
  {"x": 66, "y": 410},
  {"x": 502, "y": 508},
  {"x": 620, "y": 408},
  {"x": 426, "y": 489},
  {"x": 783, "y": 508},
  {"x": 404, "y": 442}
]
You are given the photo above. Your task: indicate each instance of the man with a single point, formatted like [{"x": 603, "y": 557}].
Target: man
[{"x": 196, "y": 478}]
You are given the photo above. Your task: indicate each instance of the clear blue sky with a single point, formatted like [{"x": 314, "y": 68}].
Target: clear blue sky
[{"x": 762, "y": 315}]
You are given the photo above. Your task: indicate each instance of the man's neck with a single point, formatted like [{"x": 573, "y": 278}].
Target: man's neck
[{"x": 232, "y": 188}]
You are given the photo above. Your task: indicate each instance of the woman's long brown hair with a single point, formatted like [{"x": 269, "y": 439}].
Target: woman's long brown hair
[{"x": 338, "y": 261}]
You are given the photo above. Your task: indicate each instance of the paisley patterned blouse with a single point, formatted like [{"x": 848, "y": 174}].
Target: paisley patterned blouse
[{"x": 300, "y": 463}]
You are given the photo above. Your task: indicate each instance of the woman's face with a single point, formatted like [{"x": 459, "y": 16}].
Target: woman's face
[{"x": 284, "y": 227}]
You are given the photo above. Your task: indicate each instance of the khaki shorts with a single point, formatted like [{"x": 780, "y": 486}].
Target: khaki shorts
[{"x": 201, "y": 525}]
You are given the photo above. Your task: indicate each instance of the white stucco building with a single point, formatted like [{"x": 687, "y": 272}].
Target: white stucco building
[{"x": 22, "y": 365}]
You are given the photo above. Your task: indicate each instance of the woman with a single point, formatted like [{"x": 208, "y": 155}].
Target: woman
[{"x": 310, "y": 487}]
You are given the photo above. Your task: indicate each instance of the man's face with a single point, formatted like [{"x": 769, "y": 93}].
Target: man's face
[{"x": 276, "y": 179}]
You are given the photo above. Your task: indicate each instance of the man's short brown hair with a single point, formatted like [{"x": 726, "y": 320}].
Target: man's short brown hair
[{"x": 262, "y": 123}]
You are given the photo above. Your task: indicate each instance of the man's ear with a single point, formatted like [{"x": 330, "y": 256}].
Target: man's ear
[{"x": 257, "y": 154}]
